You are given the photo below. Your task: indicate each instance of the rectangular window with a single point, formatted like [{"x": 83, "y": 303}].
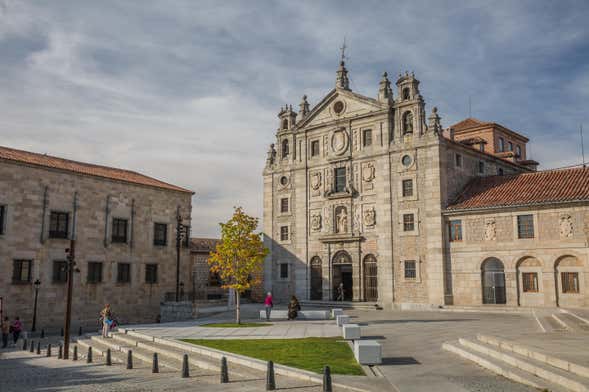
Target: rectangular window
[
  {"x": 482, "y": 147},
  {"x": 407, "y": 188},
  {"x": 94, "y": 272},
  {"x": 410, "y": 269},
  {"x": 151, "y": 273},
  {"x": 408, "y": 222},
  {"x": 58, "y": 224},
  {"x": 455, "y": 230},
  {"x": 458, "y": 160},
  {"x": 2, "y": 218},
  {"x": 284, "y": 271},
  {"x": 119, "y": 230},
  {"x": 501, "y": 146},
  {"x": 518, "y": 151},
  {"x": 570, "y": 282},
  {"x": 340, "y": 179},
  {"x": 315, "y": 148},
  {"x": 284, "y": 233},
  {"x": 160, "y": 234},
  {"x": 481, "y": 167},
  {"x": 500, "y": 171},
  {"x": 509, "y": 146},
  {"x": 525, "y": 226},
  {"x": 123, "y": 273},
  {"x": 59, "y": 271},
  {"x": 367, "y": 137},
  {"x": 21, "y": 272},
  {"x": 530, "y": 282},
  {"x": 284, "y": 205}
]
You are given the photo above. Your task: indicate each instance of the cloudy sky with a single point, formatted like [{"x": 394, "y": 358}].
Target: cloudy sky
[{"x": 188, "y": 91}]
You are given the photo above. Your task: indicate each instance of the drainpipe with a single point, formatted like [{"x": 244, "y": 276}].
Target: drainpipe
[{"x": 45, "y": 204}]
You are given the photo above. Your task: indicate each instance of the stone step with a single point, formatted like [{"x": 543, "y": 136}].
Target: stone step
[
  {"x": 547, "y": 372},
  {"x": 342, "y": 304},
  {"x": 499, "y": 367},
  {"x": 98, "y": 351}
]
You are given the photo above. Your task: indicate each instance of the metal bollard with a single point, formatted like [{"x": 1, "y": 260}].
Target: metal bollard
[
  {"x": 42, "y": 333},
  {"x": 38, "y": 348},
  {"x": 32, "y": 346},
  {"x": 185, "y": 371},
  {"x": 270, "y": 378},
  {"x": 130, "y": 359},
  {"x": 80, "y": 331},
  {"x": 155, "y": 368},
  {"x": 224, "y": 371},
  {"x": 327, "y": 380},
  {"x": 75, "y": 356},
  {"x": 49, "y": 350},
  {"x": 60, "y": 352},
  {"x": 24, "y": 345},
  {"x": 89, "y": 356},
  {"x": 108, "y": 357}
]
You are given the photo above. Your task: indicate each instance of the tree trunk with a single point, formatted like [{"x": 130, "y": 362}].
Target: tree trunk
[{"x": 237, "y": 313}]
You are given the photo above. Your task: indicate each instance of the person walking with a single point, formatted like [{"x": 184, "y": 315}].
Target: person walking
[
  {"x": 293, "y": 308},
  {"x": 16, "y": 329},
  {"x": 106, "y": 315},
  {"x": 340, "y": 292},
  {"x": 268, "y": 304},
  {"x": 5, "y": 332}
]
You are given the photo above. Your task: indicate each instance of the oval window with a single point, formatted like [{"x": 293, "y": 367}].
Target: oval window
[
  {"x": 283, "y": 180},
  {"x": 338, "y": 107},
  {"x": 406, "y": 160}
]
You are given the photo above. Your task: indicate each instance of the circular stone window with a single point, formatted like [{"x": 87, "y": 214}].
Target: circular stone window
[
  {"x": 283, "y": 180},
  {"x": 406, "y": 160},
  {"x": 338, "y": 107}
]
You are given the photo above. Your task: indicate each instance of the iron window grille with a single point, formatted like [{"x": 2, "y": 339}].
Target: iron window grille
[
  {"x": 58, "y": 224},
  {"x": 410, "y": 269},
  {"x": 160, "y": 234},
  {"x": 407, "y": 186},
  {"x": 525, "y": 226},
  {"x": 21, "y": 272},
  {"x": 123, "y": 273},
  {"x": 119, "y": 230},
  {"x": 367, "y": 137},
  {"x": 315, "y": 148},
  {"x": 284, "y": 205},
  {"x": 283, "y": 271},
  {"x": 570, "y": 282},
  {"x": 340, "y": 179},
  {"x": 151, "y": 273},
  {"x": 94, "y": 272},
  {"x": 284, "y": 233},
  {"x": 530, "y": 282},
  {"x": 59, "y": 271},
  {"x": 408, "y": 222}
]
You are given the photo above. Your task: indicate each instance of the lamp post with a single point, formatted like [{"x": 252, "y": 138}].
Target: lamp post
[
  {"x": 37, "y": 283},
  {"x": 181, "y": 233}
]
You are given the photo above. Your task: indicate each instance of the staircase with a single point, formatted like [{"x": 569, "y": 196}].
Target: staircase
[
  {"x": 521, "y": 364},
  {"x": 342, "y": 305}
]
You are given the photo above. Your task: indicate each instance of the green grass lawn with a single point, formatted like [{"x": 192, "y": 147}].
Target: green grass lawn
[
  {"x": 308, "y": 353},
  {"x": 234, "y": 325}
]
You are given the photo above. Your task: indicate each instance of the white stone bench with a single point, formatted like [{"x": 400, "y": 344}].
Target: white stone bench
[
  {"x": 351, "y": 331},
  {"x": 368, "y": 352},
  {"x": 342, "y": 319},
  {"x": 301, "y": 315},
  {"x": 336, "y": 312}
]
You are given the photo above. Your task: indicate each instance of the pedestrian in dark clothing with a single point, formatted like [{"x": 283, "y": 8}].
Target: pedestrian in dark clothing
[
  {"x": 16, "y": 329},
  {"x": 5, "y": 332},
  {"x": 293, "y": 308}
]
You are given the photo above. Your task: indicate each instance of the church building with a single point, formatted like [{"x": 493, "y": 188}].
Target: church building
[{"x": 374, "y": 196}]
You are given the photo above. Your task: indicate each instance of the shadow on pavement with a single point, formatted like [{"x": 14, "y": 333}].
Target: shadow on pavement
[
  {"x": 367, "y": 323},
  {"x": 400, "y": 361}
]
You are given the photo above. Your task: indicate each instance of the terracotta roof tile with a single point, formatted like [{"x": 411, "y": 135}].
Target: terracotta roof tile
[
  {"x": 203, "y": 244},
  {"x": 561, "y": 185},
  {"x": 44, "y": 160},
  {"x": 469, "y": 123}
]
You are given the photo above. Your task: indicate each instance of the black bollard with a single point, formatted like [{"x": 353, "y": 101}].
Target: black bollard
[
  {"x": 108, "y": 357},
  {"x": 38, "y": 348},
  {"x": 60, "y": 352},
  {"x": 224, "y": 371},
  {"x": 42, "y": 333},
  {"x": 185, "y": 372},
  {"x": 62, "y": 332},
  {"x": 80, "y": 331},
  {"x": 24, "y": 345},
  {"x": 89, "y": 356},
  {"x": 75, "y": 356},
  {"x": 49, "y": 350},
  {"x": 130, "y": 359},
  {"x": 270, "y": 379},
  {"x": 155, "y": 367},
  {"x": 327, "y": 379},
  {"x": 32, "y": 346}
]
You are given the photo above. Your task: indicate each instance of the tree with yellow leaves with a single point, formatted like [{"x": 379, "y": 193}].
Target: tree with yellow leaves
[{"x": 239, "y": 257}]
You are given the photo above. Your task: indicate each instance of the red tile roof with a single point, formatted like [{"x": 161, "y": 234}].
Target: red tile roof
[
  {"x": 44, "y": 160},
  {"x": 203, "y": 244},
  {"x": 560, "y": 185},
  {"x": 469, "y": 123}
]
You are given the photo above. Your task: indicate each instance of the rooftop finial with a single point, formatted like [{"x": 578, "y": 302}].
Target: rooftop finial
[{"x": 343, "y": 51}]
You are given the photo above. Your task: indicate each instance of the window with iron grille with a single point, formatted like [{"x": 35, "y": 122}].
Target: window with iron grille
[
  {"x": 410, "y": 269},
  {"x": 340, "y": 179},
  {"x": 160, "y": 234},
  {"x": 570, "y": 282},
  {"x": 530, "y": 282},
  {"x": 408, "y": 222},
  {"x": 59, "y": 271},
  {"x": 151, "y": 273},
  {"x": 123, "y": 273},
  {"x": 58, "y": 224},
  {"x": 284, "y": 204},
  {"x": 509, "y": 146},
  {"x": 119, "y": 230},
  {"x": 21, "y": 272},
  {"x": 2, "y": 219},
  {"x": 525, "y": 226},
  {"x": 284, "y": 233},
  {"x": 455, "y": 230},
  {"x": 367, "y": 137},
  {"x": 407, "y": 186},
  {"x": 284, "y": 271},
  {"x": 94, "y": 272},
  {"x": 315, "y": 148},
  {"x": 481, "y": 167},
  {"x": 501, "y": 146},
  {"x": 458, "y": 160}
]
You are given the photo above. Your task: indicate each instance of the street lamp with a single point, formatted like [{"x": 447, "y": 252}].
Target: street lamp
[
  {"x": 181, "y": 234},
  {"x": 37, "y": 283}
]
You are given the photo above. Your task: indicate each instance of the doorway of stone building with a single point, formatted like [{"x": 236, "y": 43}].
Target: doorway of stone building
[
  {"x": 342, "y": 273},
  {"x": 493, "y": 279},
  {"x": 316, "y": 279}
]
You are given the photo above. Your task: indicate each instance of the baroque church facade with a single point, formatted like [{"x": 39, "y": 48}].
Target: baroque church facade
[{"x": 373, "y": 195}]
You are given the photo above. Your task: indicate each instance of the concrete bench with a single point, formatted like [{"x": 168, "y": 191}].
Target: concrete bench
[
  {"x": 351, "y": 331},
  {"x": 368, "y": 352},
  {"x": 336, "y": 312},
  {"x": 342, "y": 319},
  {"x": 302, "y": 315}
]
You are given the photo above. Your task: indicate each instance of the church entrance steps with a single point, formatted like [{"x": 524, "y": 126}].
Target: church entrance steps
[
  {"x": 487, "y": 309},
  {"x": 342, "y": 304},
  {"x": 520, "y": 364}
]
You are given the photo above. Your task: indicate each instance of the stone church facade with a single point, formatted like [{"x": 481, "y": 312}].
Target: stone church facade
[{"x": 367, "y": 193}]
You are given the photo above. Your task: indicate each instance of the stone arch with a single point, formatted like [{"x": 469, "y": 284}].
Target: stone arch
[
  {"x": 285, "y": 124},
  {"x": 407, "y": 122},
  {"x": 569, "y": 280},
  {"x": 370, "y": 274},
  {"x": 341, "y": 267},
  {"x": 316, "y": 278},
  {"x": 406, "y": 93},
  {"x": 493, "y": 281},
  {"x": 528, "y": 278}
]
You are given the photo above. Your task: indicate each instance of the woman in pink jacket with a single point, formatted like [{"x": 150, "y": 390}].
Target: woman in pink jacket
[{"x": 268, "y": 304}]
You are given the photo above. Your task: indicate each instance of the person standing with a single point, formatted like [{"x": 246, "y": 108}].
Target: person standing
[
  {"x": 268, "y": 304},
  {"x": 106, "y": 315},
  {"x": 16, "y": 329},
  {"x": 294, "y": 308},
  {"x": 5, "y": 332},
  {"x": 340, "y": 292}
]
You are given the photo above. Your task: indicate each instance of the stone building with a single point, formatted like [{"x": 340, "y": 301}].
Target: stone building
[
  {"x": 123, "y": 224},
  {"x": 206, "y": 284},
  {"x": 360, "y": 192}
]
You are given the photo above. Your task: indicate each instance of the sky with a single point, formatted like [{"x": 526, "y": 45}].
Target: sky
[{"x": 189, "y": 91}]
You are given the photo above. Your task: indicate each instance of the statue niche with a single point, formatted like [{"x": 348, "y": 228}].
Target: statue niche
[
  {"x": 566, "y": 226},
  {"x": 407, "y": 123},
  {"x": 341, "y": 220}
]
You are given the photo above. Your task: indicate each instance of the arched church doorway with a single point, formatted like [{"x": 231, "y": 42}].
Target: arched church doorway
[
  {"x": 342, "y": 275},
  {"x": 316, "y": 279},
  {"x": 493, "y": 278},
  {"x": 370, "y": 279}
]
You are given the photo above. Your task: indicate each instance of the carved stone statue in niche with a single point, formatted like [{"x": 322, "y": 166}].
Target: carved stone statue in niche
[
  {"x": 490, "y": 231},
  {"x": 341, "y": 220},
  {"x": 316, "y": 221},
  {"x": 370, "y": 217},
  {"x": 566, "y": 226},
  {"x": 316, "y": 180}
]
